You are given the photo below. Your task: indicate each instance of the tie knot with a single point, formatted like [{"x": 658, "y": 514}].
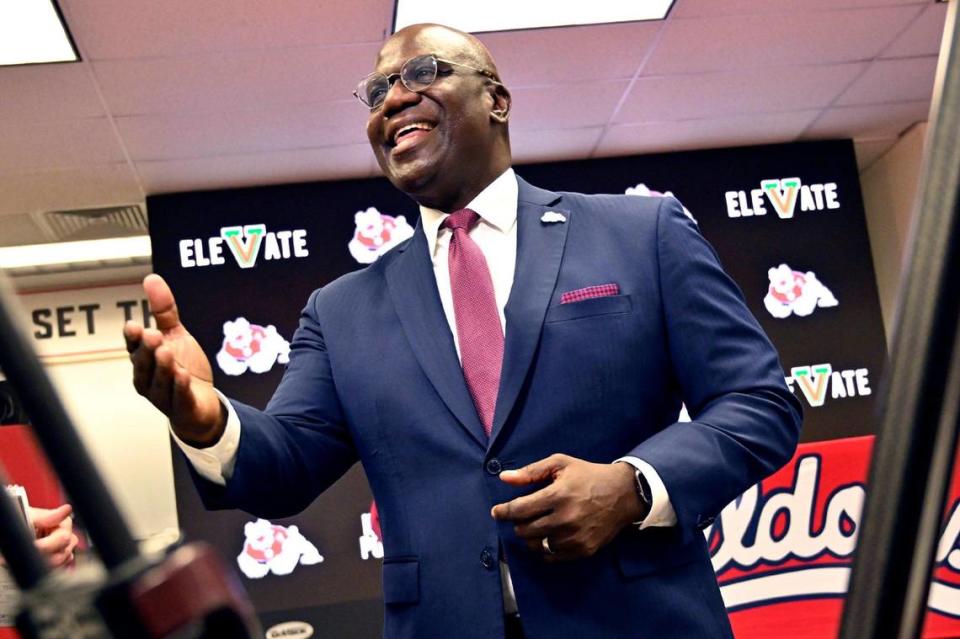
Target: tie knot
[{"x": 462, "y": 219}]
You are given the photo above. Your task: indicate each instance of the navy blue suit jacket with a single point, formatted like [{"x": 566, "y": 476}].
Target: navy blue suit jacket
[{"x": 374, "y": 376}]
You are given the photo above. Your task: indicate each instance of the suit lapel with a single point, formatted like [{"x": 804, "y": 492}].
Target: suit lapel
[
  {"x": 539, "y": 253},
  {"x": 413, "y": 287}
]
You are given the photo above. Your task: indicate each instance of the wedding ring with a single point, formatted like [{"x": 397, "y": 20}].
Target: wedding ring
[{"x": 545, "y": 544}]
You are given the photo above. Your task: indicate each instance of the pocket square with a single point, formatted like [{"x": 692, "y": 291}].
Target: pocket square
[{"x": 599, "y": 290}]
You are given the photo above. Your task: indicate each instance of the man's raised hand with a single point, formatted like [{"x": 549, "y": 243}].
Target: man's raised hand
[{"x": 172, "y": 371}]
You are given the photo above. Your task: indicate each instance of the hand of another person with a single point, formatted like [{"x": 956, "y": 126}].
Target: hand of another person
[
  {"x": 580, "y": 510},
  {"x": 55, "y": 537},
  {"x": 172, "y": 371}
]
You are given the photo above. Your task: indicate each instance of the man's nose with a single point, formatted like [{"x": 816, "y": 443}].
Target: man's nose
[{"x": 398, "y": 98}]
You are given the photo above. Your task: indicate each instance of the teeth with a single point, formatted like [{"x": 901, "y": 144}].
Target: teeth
[{"x": 413, "y": 126}]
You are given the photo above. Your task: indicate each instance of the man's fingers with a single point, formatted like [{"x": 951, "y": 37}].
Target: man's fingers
[
  {"x": 144, "y": 361},
  {"x": 132, "y": 332},
  {"x": 538, "y": 471},
  {"x": 162, "y": 304},
  {"x": 550, "y": 525},
  {"x": 44, "y": 519},
  {"x": 161, "y": 385},
  {"x": 526, "y": 507}
]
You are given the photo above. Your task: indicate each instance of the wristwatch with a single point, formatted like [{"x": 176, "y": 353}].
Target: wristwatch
[{"x": 643, "y": 492}]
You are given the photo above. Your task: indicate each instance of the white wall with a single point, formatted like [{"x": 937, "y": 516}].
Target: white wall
[{"x": 889, "y": 192}]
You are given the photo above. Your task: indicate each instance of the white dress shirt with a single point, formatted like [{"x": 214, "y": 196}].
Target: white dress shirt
[{"x": 496, "y": 235}]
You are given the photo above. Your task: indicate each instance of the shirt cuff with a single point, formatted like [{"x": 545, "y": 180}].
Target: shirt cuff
[
  {"x": 661, "y": 510},
  {"x": 215, "y": 463}
]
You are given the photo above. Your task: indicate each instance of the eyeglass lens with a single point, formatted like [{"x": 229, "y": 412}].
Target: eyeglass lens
[{"x": 416, "y": 74}]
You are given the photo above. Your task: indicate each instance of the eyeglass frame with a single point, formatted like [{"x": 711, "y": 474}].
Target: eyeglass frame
[{"x": 391, "y": 78}]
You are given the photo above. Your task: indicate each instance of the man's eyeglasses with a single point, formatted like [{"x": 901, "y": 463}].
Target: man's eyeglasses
[{"x": 417, "y": 74}]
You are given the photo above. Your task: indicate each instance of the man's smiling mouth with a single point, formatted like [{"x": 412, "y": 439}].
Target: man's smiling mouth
[
  {"x": 409, "y": 135},
  {"x": 407, "y": 129}
]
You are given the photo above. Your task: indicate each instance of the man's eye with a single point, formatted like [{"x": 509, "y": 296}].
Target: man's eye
[
  {"x": 424, "y": 75},
  {"x": 376, "y": 93}
]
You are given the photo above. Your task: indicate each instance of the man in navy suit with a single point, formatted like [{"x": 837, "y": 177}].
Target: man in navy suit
[{"x": 530, "y": 474}]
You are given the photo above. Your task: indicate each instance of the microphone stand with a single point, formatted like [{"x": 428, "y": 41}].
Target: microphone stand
[{"x": 185, "y": 592}]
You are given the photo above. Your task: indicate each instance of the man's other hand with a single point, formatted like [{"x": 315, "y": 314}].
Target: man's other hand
[
  {"x": 581, "y": 509},
  {"x": 172, "y": 371},
  {"x": 55, "y": 537}
]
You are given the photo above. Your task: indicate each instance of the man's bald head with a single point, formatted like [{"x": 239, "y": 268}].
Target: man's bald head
[{"x": 466, "y": 47}]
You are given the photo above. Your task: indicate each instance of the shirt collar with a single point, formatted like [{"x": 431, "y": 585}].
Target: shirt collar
[{"x": 496, "y": 205}]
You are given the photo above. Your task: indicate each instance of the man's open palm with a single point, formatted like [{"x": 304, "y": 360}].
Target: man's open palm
[{"x": 172, "y": 371}]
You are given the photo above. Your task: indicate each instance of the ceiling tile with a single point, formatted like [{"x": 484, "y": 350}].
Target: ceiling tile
[
  {"x": 570, "y": 54},
  {"x": 553, "y": 108},
  {"x": 756, "y": 90},
  {"x": 48, "y": 92},
  {"x": 81, "y": 187},
  {"x": 20, "y": 229},
  {"x": 693, "y": 8},
  {"x": 559, "y": 144},
  {"x": 165, "y": 137},
  {"x": 893, "y": 81},
  {"x": 766, "y": 128},
  {"x": 57, "y": 144},
  {"x": 721, "y": 43},
  {"x": 872, "y": 121},
  {"x": 164, "y": 176},
  {"x": 120, "y": 29},
  {"x": 870, "y": 150},
  {"x": 243, "y": 80},
  {"x": 924, "y": 35}
]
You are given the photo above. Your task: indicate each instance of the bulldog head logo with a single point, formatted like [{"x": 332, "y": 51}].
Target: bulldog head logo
[
  {"x": 795, "y": 292},
  {"x": 251, "y": 347},
  {"x": 376, "y": 234},
  {"x": 371, "y": 541},
  {"x": 277, "y": 549}
]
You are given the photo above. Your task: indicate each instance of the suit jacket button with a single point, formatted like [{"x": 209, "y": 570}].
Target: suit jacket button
[
  {"x": 494, "y": 467},
  {"x": 487, "y": 560}
]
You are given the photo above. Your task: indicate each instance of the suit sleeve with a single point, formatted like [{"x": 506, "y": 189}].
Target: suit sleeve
[
  {"x": 745, "y": 422},
  {"x": 296, "y": 448}
]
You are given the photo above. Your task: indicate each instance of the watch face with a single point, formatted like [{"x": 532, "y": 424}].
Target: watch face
[{"x": 643, "y": 488}]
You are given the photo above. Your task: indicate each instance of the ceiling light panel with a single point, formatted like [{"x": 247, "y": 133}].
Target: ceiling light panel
[
  {"x": 507, "y": 15},
  {"x": 31, "y": 32}
]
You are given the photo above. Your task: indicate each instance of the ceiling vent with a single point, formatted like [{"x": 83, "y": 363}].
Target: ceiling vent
[{"x": 91, "y": 224}]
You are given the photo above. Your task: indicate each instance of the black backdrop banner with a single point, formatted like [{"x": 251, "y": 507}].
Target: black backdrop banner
[{"x": 786, "y": 220}]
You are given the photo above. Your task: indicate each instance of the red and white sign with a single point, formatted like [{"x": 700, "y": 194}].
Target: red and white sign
[{"x": 783, "y": 551}]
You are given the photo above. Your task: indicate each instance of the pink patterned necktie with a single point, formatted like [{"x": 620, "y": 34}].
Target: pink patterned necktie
[{"x": 478, "y": 320}]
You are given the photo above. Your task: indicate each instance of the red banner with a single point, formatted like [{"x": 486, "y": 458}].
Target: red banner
[{"x": 783, "y": 551}]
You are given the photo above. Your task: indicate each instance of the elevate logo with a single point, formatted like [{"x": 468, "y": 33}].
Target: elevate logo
[
  {"x": 814, "y": 382},
  {"x": 782, "y": 194},
  {"x": 244, "y": 243}
]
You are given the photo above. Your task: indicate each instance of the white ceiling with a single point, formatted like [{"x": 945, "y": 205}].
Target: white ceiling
[{"x": 185, "y": 94}]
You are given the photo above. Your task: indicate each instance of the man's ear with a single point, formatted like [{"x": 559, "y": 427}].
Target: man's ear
[{"x": 501, "y": 103}]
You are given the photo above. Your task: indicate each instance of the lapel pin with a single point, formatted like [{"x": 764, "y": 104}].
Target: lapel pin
[{"x": 552, "y": 216}]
